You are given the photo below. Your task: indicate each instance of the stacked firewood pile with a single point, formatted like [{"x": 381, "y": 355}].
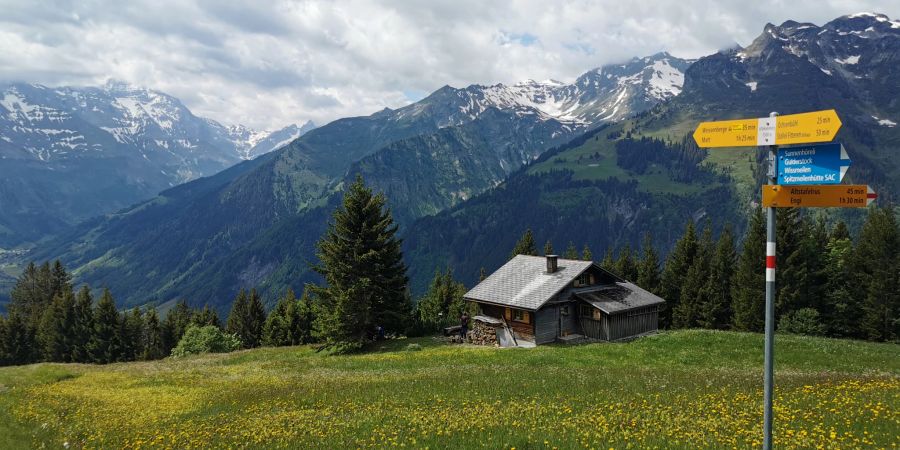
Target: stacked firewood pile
[{"x": 483, "y": 334}]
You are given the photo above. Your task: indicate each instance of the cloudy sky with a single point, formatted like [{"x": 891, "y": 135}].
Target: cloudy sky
[{"x": 268, "y": 64}]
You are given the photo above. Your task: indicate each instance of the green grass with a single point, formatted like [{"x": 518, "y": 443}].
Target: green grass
[
  {"x": 684, "y": 389},
  {"x": 656, "y": 180}
]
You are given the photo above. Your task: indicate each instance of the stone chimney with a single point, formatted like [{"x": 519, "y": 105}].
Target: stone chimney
[{"x": 552, "y": 263}]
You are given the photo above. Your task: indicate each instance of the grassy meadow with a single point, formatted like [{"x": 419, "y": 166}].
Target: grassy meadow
[{"x": 686, "y": 389}]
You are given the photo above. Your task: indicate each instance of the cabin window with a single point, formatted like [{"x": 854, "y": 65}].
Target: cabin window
[
  {"x": 564, "y": 310},
  {"x": 583, "y": 280},
  {"x": 587, "y": 311},
  {"x": 520, "y": 316}
]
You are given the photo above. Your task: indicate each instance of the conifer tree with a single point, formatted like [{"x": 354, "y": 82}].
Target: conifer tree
[
  {"x": 571, "y": 251},
  {"x": 716, "y": 311},
  {"x": 802, "y": 269},
  {"x": 20, "y": 346},
  {"x": 687, "y": 312},
  {"x": 361, "y": 251},
  {"x": 626, "y": 266},
  {"x": 236, "y": 323},
  {"x": 282, "y": 324},
  {"x": 153, "y": 342},
  {"x": 791, "y": 226},
  {"x": 841, "y": 313},
  {"x": 105, "y": 345},
  {"x": 60, "y": 280},
  {"x": 305, "y": 319},
  {"x": 131, "y": 335},
  {"x": 206, "y": 317},
  {"x": 4, "y": 357},
  {"x": 256, "y": 318},
  {"x": 677, "y": 265},
  {"x": 482, "y": 275},
  {"x": 82, "y": 325},
  {"x": 840, "y": 231},
  {"x": 175, "y": 324},
  {"x": 748, "y": 291},
  {"x": 548, "y": 248},
  {"x": 443, "y": 304},
  {"x": 876, "y": 264},
  {"x": 55, "y": 334},
  {"x": 30, "y": 297},
  {"x": 586, "y": 254},
  {"x": 608, "y": 262},
  {"x": 525, "y": 245},
  {"x": 648, "y": 269}
]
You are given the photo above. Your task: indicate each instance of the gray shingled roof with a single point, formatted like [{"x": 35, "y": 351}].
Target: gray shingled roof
[
  {"x": 622, "y": 296},
  {"x": 524, "y": 283}
]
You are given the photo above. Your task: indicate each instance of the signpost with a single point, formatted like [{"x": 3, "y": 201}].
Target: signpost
[
  {"x": 792, "y": 167},
  {"x": 812, "y": 164},
  {"x": 805, "y": 128},
  {"x": 821, "y": 196}
]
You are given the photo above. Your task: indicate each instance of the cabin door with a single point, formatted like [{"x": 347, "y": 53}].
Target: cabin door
[{"x": 565, "y": 320}]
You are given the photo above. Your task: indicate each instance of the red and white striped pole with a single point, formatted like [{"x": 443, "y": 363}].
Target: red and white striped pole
[{"x": 769, "y": 377}]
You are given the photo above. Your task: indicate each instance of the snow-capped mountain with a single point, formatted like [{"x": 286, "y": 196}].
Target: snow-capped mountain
[
  {"x": 251, "y": 143},
  {"x": 608, "y": 93},
  {"x": 856, "y": 53},
  {"x": 49, "y": 123},
  {"x": 68, "y": 153}
]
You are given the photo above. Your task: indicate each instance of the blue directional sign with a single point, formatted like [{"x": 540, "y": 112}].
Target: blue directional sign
[{"x": 812, "y": 164}]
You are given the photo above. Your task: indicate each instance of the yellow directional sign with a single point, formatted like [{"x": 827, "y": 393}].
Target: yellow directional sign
[
  {"x": 817, "y": 126},
  {"x": 804, "y": 128},
  {"x": 818, "y": 196}
]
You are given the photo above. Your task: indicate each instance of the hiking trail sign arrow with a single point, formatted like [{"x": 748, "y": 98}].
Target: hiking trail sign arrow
[
  {"x": 812, "y": 164},
  {"x": 818, "y": 196},
  {"x": 804, "y": 128}
]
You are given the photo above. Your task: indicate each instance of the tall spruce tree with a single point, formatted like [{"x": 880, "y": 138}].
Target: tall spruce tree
[
  {"x": 802, "y": 269},
  {"x": 748, "y": 293},
  {"x": 206, "y": 317},
  {"x": 443, "y": 304},
  {"x": 82, "y": 325},
  {"x": 4, "y": 357},
  {"x": 361, "y": 251},
  {"x": 105, "y": 345},
  {"x": 175, "y": 324},
  {"x": 648, "y": 268},
  {"x": 20, "y": 346},
  {"x": 693, "y": 294},
  {"x": 876, "y": 275},
  {"x": 841, "y": 312},
  {"x": 586, "y": 254},
  {"x": 283, "y": 323},
  {"x": 608, "y": 263},
  {"x": 548, "y": 248},
  {"x": 153, "y": 341},
  {"x": 677, "y": 265},
  {"x": 32, "y": 294},
  {"x": 305, "y": 318},
  {"x": 571, "y": 251},
  {"x": 131, "y": 335},
  {"x": 56, "y": 331},
  {"x": 626, "y": 266},
  {"x": 240, "y": 321},
  {"x": 525, "y": 245},
  {"x": 716, "y": 311},
  {"x": 791, "y": 227}
]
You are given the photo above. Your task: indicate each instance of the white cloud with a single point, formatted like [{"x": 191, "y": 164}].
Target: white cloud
[{"x": 269, "y": 64}]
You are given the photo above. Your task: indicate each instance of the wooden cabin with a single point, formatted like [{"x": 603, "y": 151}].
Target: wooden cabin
[{"x": 542, "y": 299}]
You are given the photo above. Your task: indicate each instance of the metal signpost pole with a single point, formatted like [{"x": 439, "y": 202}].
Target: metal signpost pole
[{"x": 769, "y": 383}]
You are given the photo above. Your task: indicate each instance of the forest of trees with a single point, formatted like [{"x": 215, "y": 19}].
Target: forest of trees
[{"x": 829, "y": 283}]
